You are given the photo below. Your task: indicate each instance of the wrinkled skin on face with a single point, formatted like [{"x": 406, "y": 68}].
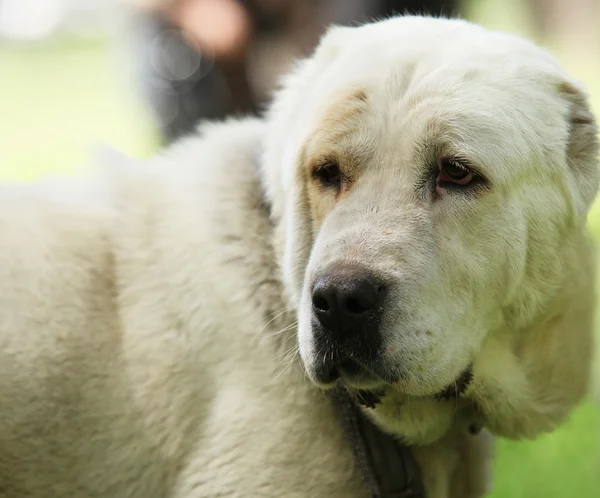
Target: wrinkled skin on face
[{"x": 431, "y": 184}]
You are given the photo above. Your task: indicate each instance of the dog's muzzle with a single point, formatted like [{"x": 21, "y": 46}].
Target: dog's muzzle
[{"x": 347, "y": 306}]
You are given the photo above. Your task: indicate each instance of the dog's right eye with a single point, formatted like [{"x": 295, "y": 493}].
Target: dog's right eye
[{"x": 329, "y": 175}]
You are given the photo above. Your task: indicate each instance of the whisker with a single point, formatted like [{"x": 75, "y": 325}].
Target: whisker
[
  {"x": 271, "y": 318},
  {"x": 275, "y": 333},
  {"x": 284, "y": 329},
  {"x": 294, "y": 349},
  {"x": 288, "y": 360},
  {"x": 286, "y": 367},
  {"x": 276, "y": 314}
]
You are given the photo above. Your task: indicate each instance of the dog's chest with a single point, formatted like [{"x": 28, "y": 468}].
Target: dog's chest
[{"x": 283, "y": 441}]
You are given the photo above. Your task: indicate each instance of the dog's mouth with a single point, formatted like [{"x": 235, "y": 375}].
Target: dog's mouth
[
  {"x": 371, "y": 397},
  {"x": 458, "y": 387},
  {"x": 357, "y": 376},
  {"x": 368, "y": 381},
  {"x": 352, "y": 372}
]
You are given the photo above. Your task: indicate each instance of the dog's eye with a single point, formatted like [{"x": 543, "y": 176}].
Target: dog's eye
[
  {"x": 453, "y": 173},
  {"x": 329, "y": 175}
]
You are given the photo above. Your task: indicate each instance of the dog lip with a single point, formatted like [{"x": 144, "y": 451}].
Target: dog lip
[
  {"x": 350, "y": 366},
  {"x": 326, "y": 376},
  {"x": 458, "y": 387},
  {"x": 356, "y": 375},
  {"x": 359, "y": 375},
  {"x": 352, "y": 371}
]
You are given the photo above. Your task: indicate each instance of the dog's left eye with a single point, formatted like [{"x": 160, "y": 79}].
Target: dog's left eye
[{"x": 451, "y": 171}]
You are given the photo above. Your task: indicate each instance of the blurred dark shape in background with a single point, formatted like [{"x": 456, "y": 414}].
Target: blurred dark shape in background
[
  {"x": 207, "y": 59},
  {"x": 574, "y": 23}
]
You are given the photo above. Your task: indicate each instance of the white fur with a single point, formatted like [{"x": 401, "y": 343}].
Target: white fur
[{"x": 148, "y": 312}]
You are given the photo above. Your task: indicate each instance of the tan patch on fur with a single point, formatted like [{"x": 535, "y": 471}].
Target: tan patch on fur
[{"x": 330, "y": 142}]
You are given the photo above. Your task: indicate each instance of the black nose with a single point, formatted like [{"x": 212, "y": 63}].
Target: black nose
[{"x": 346, "y": 300}]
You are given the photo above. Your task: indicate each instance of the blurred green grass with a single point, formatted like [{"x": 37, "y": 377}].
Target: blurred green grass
[{"x": 58, "y": 98}]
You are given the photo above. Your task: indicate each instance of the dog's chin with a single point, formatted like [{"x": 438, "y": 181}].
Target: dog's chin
[
  {"x": 356, "y": 377},
  {"x": 347, "y": 373},
  {"x": 369, "y": 389},
  {"x": 371, "y": 381}
]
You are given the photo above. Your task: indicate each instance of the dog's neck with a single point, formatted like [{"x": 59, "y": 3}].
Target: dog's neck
[{"x": 387, "y": 466}]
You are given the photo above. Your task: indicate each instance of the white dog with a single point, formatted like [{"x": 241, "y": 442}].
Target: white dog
[{"x": 412, "y": 209}]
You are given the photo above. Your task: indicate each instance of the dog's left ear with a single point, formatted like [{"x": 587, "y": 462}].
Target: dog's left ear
[
  {"x": 527, "y": 382},
  {"x": 582, "y": 146}
]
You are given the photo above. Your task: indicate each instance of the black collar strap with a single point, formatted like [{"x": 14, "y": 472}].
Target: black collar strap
[{"x": 386, "y": 466}]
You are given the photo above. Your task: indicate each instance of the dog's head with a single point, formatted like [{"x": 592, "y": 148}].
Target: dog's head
[{"x": 429, "y": 177}]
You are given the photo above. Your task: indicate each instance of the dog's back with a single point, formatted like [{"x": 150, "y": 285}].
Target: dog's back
[
  {"x": 139, "y": 345},
  {"x": 67, "y": 424}
]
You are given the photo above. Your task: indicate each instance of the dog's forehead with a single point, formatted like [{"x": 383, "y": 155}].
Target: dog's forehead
[
  {"x": 418, "y": 79},
  {"x": 425, "y": 42},
  {"x": 386, "y": 86},
  {"x": 398, "y": 52}
]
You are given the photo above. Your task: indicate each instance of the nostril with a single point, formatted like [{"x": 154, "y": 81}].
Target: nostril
[
  {"x": 360, "y": 296},
  {"x": 320, "y": 303},
  {"x": 341, "y": 302},
  {"x": 355, "y": 306}
]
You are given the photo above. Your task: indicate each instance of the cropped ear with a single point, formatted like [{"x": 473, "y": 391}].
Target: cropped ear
[{"x": 582, "y": 147}]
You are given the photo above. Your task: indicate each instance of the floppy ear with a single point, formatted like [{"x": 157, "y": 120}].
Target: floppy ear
[
  {"x": 529, "y": 378},
  {"x": 582, "y": 147},
  {"x": 285, "y": 125},
  {"x": 527, "y": 382},
  {"x": 289, "y": 124}
]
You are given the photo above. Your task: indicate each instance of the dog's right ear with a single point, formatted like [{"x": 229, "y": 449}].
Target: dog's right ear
[
  {"x": 285, "y": 116},
  {"x": 289, "y": 124}
]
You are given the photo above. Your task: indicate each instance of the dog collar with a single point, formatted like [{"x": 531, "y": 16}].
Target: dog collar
[{"x": 386, "y": 466}]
